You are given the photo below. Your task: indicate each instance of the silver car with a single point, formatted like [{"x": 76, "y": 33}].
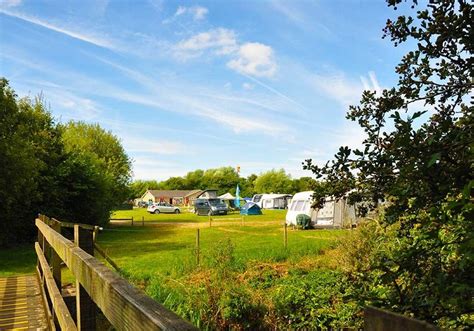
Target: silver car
[{"x": 163, "y": 207}]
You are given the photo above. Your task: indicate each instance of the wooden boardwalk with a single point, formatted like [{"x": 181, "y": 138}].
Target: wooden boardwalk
[{"x": 21, "y": 304}]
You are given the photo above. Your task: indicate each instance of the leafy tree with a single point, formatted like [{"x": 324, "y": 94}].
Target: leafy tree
[
  {"x": 417, "y": 161},
  {"x": 274, "y": 181},
  {"x": 173, "y": 183},
  {"x": 138, "y": 187},
  {"x": 303, "y": 184},
  {"x": 29, "y": 148}
]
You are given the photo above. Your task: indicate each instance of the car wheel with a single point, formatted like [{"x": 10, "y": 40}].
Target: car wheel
[
  {"x": 176, "y": 211},
  {"x": 157, "y": 211}
]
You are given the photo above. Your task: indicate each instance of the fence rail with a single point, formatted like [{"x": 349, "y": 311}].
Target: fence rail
[{"x": 125, "y": 307}]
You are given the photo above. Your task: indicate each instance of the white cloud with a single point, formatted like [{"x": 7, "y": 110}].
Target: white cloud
[
  {"x": 197, "y": 13},
  {"x": 248, "y": 86},
  {"x": 143, "y": 145},
  {"x": 10, "y": 3},
  {"x": 221, "y": 41},
  {"x": 83, "y": 36},
  {"x": 338, "y": 87},
  {"x": 254, "y": 59}
]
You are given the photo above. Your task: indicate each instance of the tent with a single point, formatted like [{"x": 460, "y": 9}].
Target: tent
[
  {"x": 226, "y": 196},
  {"x": 250, "y": 208}
]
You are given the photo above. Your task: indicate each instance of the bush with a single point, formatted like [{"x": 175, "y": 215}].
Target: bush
[{"x": 316, "y": 300}]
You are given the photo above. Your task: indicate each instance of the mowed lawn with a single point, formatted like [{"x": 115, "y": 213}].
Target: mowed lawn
[{"x": 161, "y": 247}]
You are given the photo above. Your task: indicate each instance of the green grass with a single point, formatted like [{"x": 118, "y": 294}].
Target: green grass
[
  {"x": 187, "y": 217},
  {"x": 17, "y": 261},
  {"x": 167, "y": 249}
]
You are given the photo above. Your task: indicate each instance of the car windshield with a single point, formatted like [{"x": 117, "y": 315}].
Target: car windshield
[{"x": 216, "y": 202}]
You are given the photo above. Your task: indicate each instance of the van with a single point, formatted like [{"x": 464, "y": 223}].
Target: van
[{"x": 210, "y": 207}]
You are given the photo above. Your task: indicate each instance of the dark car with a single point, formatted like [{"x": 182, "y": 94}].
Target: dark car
[{"x": 210, "y": 207}]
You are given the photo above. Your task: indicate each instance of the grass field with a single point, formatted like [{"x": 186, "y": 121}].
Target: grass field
[
  {"x": 244, "y": 274},
  {"x": 170, "y": 248}
]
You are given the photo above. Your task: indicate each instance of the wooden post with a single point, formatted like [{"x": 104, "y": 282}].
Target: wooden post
[
  {"x": 132, "y": 220},
  {"x": 85, "y": 307},
  {"x": 242, "y": 220},
  {"x": 210, "y": 220},
  {"x": 197, "y": 246},
  {"x": 143, "y": 220},
  {"x": 95, "y": 234},
  {"x": 285, "y": 237},
  {"x": 55, "y": 259}
]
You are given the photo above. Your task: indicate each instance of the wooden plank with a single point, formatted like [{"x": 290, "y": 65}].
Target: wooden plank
[
  {"x": 82, "y": 225},
  {"x": 376, "y": 319},
  {"x": 106, "y": 257},
  {"x": 60, "y": 309},
  {"x": 55, "y": 259},
  {"x": 85, "y": 306},
  {"x": 124, "y": 306}
]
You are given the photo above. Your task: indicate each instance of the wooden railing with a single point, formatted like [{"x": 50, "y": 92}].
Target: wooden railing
[{"x": 97, "y": 287}]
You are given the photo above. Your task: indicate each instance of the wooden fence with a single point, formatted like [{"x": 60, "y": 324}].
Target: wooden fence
[
  {"x": 376, "y": 319},
  {"x": 97, "y": 287}
]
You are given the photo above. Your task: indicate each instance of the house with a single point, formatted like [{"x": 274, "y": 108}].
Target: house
[
  {"x": 199, "y": 194},
  {"x": 334, "y": 214},
  {"x": 272, "y": 201},
  {"x": 174, "y": 197}
]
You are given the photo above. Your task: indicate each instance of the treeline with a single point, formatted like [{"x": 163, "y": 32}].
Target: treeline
[
  {"x": 225, "y": 179},
  {"x": 76, "y": 172}
]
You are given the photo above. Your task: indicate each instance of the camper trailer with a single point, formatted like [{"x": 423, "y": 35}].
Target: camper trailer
[
  {"x": 271, "y": 201},
  {"x": 334, "y": 214}
]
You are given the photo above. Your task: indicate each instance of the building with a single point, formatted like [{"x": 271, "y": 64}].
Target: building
[{"x": 177, "y": 197}]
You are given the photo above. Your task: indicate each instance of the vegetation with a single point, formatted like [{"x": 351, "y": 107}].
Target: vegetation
[
  {"x": 417, "y": 256},
  {"x": 246, "y": 279},
  {"x": 225, "y": 180},
  {"x": 44, "y": 172}
]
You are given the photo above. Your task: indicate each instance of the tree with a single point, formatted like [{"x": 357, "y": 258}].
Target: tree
[
  {"x": 138, "y": 187},
  {"x": 105, "y": 152},
  {"x": 417, "y": 161},
  {"x": 273, "y": 181}
]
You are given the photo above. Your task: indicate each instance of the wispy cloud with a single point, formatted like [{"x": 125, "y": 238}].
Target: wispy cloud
[
  {"x": 68, "y": 31},
  {"x": 10, "y": 3},
  {"x": 220, "y": 41},
  {"x": 147, "y": 145},
  {"x": 197, "y": 13},
  {"x": 300, "y": 18}
]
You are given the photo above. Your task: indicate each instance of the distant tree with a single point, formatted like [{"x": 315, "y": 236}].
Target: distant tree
[
  {"x": 138, "y": 187},
  {"x": 174, "y": 183},
  {"x": 224, "y": 179},
  {"x": 247, "y": 186},
  {"x": 274, "y": 181},
  {"x": 193, "y": 179},
  {"x": 417, "y": 159},
  {"x": 303, "y": 184}
]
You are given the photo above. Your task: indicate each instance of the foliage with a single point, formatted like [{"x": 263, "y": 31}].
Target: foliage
[
  {"x": 316, "y": 301},
  {"x": 138, "y": 187},
  {"x": 274, "y": 181},
  {"x": 417, "y": 160},
  {"x": 41, "y": 173}
]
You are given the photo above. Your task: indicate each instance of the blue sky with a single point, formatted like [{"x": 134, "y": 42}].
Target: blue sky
[{"x": 197, "y": 84}]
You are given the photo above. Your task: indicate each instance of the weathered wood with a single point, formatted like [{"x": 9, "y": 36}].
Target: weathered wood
[
  {"x": 95, "y": 233},
  {"x": 106, "y": 256},
  {"x": 85, "y": 306},
  {"x": 376, "y": 319},
  {"x": 124, "y": 306},
  {"x": 285, "y": 236},
  {"x": 71, "y": 225},
  {"x": 21, "y": 304},
  {"x": 59, "y": 307},
  {"x": 55, "y": 259}
]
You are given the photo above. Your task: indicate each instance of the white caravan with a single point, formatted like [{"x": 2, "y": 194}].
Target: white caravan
[
  {"x": 334, "y": 214},
  {"x": 271, "y": 201}
]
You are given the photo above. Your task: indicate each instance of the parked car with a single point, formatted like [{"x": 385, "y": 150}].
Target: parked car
[
  {"x": 162, "y": 207},
  {"x": 210, "y": 207}
]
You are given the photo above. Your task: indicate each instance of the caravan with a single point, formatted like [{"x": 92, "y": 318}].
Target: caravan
[
  {"x": 334, "y": 214},
  {"x": 271, "y": 201}
]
